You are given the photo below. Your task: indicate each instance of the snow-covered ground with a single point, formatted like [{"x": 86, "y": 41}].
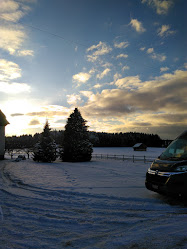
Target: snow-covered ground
[{"x": 97, "y": 204}]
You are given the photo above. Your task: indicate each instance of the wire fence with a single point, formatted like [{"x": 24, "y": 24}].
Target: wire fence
[{"x": 133, "y": 158}]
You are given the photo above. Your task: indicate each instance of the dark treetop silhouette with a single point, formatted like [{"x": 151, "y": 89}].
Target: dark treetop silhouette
[{"x": 77, "y": 146}]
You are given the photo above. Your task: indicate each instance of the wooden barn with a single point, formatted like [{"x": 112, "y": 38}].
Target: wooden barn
[
  {"x": 140, "y": 147},
  {"x": 3, "y": 123}
]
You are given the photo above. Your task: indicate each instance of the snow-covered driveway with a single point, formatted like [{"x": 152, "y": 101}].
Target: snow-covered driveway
[{"x": 97, "y": 204}]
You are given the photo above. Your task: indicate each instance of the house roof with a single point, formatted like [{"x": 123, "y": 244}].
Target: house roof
[
  {"x": 138, "y": 145},
  {"x": 3, "y": 121}
]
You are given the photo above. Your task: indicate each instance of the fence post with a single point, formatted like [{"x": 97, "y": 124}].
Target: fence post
[
  {"x": 133, "y": 158},
  {"x": 144, "y": 159},
  {"x": 123, "y": 158}
]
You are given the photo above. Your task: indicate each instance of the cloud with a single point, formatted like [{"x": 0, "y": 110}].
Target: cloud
[
  {"x": 165, "y": 31},
  {"x": 98, "y": 50},
  {"x": 162, "y": 6},
  {"x": 13, "y": 35},
  {"x": 9, "y": 70},
  {"x": 122, "y": 56},
  {"x": 142, "y": 49},
  {"x": 125, "y": 68},
  {"x": 163, "y": 69},
  {"x": 14, "y": 88},
  {"x": 166, "y": 93},
  {"x": 156, "y": 56},
  {"x": 159, "y": 57},
  {"x": 74, "y": 99},
  {"x": 121, "y": 44},
  {"x": 50, "y": 112},
  {"x": 87, "y": 94},
  {"x": 103, "y": 74},
  {"x": 130, "y": 82},
  {"x": 13, "y": 11},
  {"x": 117, "y": 76},
  {"x": 97, "y": 86},
  {"x": 12, "y": 38},
  {"x": 137, "y": 25},
  {"x": 34, "y": 122},
  {"x": 25, "y": 53},
  {"x": 81, "y": 77},
  {"x": 150, "y": 50},
  {"x": 17, "y": 114}
]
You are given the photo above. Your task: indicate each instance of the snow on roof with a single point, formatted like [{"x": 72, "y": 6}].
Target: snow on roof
[{"x": 138, "y": 145}]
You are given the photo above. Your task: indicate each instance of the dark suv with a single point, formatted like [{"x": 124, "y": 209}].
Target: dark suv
[{"x": 168, "y": 173}]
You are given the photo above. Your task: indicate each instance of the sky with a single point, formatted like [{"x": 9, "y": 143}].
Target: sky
[{"x": 123, "y": 63}]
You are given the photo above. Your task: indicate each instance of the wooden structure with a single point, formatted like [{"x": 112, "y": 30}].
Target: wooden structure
[
  {"x": 140, "y": 147},
  {"x": 3, "y": 123}
]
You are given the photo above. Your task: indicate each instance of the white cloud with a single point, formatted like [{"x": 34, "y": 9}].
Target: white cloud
[
  {"x": 122, "y": 56},
  {"x": 13, "y": 35},
  {"x": 156, "y": 56},
  {"x": 97, "y": 50},
  {"x": 142, "y": 48},
  {"x": 74, "y": 99},
  {"x": 150, "y": 50},
  {"x": 137, "y": 25},
  {"x": 13, "y": 11},
  {"x": 87, "y": 94},
  {"x": 121, "y": 44},
  {"x": 9, "y": 70},
  {"x": 25, "y": 53},
  {"x": 125, "y": 68},
  {"x": 103, "y": 74},
  {"x": 12, "y": 38},
  {"x": 163, "y": 69},
  {"x": 161, "y": 6},
  {"x": 130, "y": 82},
  {"x": 165, "y": 31},
  {"x": 117, "y": 76},
  {"x": 98, "y": 86},
  {"x": 81, "y": 77},
  {"x": 14, "y": 88},
  {"x": 159, "y": 57}
]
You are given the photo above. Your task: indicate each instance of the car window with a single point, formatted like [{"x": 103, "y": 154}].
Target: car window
[{"x": 176, "y": 150}]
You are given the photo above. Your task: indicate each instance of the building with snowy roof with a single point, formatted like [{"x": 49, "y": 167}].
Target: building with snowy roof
[
  {"x": 140, "y": 147},
  {"x": 3, "y": 123}
]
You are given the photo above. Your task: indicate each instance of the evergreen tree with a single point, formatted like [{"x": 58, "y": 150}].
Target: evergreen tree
[
  {"x": 76, "y": 146},
  {"x": 45, "y": 149}
]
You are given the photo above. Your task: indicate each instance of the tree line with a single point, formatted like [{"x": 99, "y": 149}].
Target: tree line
[{"x": 98, "y": 139}]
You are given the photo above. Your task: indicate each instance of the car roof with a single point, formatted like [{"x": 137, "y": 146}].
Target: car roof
[{"x": 183, "y": 135}]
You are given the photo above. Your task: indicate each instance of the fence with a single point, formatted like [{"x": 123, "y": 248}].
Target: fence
[{"x": 134, "y": 158}]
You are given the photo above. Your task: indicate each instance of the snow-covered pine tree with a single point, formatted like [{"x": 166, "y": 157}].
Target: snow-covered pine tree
[
  {"x": 45, "y": 149},
  {"x": 76, "y": 146}
]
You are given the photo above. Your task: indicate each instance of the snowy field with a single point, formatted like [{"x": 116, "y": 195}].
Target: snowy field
[{"x": 97, "y": 204}]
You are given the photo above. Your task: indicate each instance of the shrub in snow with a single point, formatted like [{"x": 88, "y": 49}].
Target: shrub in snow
[
  {"x": 76, "y": 146},
  {"x": 45, "y": 149}
]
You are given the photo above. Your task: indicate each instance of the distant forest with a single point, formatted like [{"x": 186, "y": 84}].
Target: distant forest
[{"x": 98, "y": 139}]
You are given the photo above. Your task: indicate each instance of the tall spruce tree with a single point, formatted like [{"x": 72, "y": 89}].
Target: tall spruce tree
[
  {"x": 76, "y": 146},
  {"x": 45, "y": 149}
]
